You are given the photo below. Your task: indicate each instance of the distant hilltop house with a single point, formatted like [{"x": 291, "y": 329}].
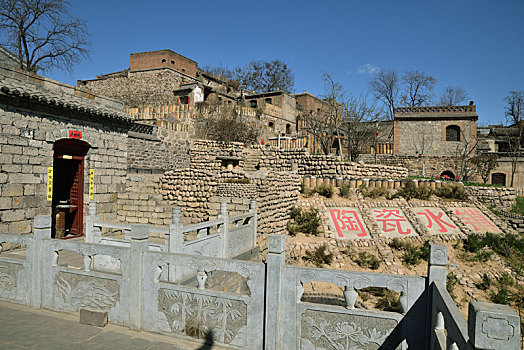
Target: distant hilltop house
[{"x": 166, "y": 89}]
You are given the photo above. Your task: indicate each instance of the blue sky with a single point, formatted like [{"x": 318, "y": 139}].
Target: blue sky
[{"x": 476, "y": 44}]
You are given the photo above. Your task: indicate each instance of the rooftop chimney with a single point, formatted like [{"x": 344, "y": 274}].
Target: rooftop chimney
[{"x": 471, "y": 103}]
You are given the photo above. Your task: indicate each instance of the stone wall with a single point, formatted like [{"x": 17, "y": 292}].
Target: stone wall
[
  {"x": 136, "y": 88},
  {"x": 209, "y": 154},
  {"x": 503, "y": 196},
  {"x": 431, "y": 166},
  {"x": 150, "y": 153},
  {"x": 141, "y": 204},
  {"x": 26, "y": 151}
]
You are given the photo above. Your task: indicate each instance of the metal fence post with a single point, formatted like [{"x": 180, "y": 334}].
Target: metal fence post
[
  {"x": 139, "y": 244},
  {"x": 275, "y": 262},
  {"x": 42, "y": 231}
]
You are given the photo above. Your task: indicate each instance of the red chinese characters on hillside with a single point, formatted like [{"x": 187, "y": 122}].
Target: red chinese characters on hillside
[
  {"x": 392, "y": 222},
  {"x": 476, "y": 220},
  {"x": 347, "y": 223},
  {"x": 435, "y": 220}
]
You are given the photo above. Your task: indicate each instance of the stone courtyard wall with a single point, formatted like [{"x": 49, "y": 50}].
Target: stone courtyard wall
[{"x": 151, "y": 153}]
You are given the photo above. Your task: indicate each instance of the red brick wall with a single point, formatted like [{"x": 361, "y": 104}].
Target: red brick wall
[{"x": 162, "y": 58}]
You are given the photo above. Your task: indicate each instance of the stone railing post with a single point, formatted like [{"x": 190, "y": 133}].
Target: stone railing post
[
  {"x": 224, "y": 215},
  {"x": 437, "y": 272},
  {"x": 253, "y": 210},
  {"x": 42, "y": 231},
  {"x": 90, "y": 221},
  {"x": 139, "y": 243},
  {"x": 275, "y": 262},
  {"x": 176, "y": 240},
  {"x": 493, "y": 326}
]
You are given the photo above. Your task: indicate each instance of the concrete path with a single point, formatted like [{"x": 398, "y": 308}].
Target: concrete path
[{"x": 24, "y": 328}]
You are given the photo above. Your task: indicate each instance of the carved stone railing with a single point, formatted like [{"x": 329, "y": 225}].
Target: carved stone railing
[
  {"x": 317, "y": 323},
  {"x": 489, "y": 326},
  {"x": 172, "y": 308},
  {"x": 178, "y": 295},
  {"x": 225, "y": 237}
]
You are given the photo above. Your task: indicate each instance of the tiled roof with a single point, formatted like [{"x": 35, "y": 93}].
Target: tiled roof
[{"x": 42, "y": 90}]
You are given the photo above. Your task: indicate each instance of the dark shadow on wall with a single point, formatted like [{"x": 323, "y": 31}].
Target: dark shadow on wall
[{"x": 209, "y": 342}]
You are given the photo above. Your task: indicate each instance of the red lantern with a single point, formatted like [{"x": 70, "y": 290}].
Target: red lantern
[{"x": 262, "y": 142}]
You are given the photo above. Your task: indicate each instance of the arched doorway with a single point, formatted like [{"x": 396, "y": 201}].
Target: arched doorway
[
  {"x": 447, "y": 175},
  {"x": 498, "y": 179},
  {"x": 68, "y": 188}
]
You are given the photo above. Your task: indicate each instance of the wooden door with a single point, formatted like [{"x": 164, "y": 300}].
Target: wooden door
[{"x": 68, "y": 188}]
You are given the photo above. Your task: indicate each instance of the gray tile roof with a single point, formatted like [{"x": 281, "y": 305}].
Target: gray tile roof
[{"x": 46, "y": 91}]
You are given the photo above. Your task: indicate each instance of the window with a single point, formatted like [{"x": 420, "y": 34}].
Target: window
[
  {"x": 271, "y": 125},
  {"x": 268, "y": 100},
  {"x": 253, "y": 103},
  {"x": 452, "y": 133},
  {"x": 163, "y": 60},
  {"x": 288, "y": 129},
  {"x": 172, "y": 61},
  {"x": 498, "y": 179}
]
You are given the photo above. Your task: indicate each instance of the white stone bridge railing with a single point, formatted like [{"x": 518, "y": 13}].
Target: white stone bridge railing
[
  {"x": 225, "y": 237},
  {"x": 242, "y": 304}
]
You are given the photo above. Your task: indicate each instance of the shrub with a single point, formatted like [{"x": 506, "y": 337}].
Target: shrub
[
  {"x": 502, "y": 296},
  {"x": 324, "y": 190},
  {"x": 518, "y": 207},
  {"x": 387, "y": 299},
  {"x": 410, "y": 191},
  {"x": 452, "y": 191},
  {"x": 305, "y": 221},
  {"x": 373, "y": 192},
  {"x": 368, "y": 260},
  {"x": 343, "y": 190},
  {"x": 451, "y": 282},
  {"x": 411, "y": 255},
  {"x": 485, "y": 284},
  {"x": 397, "y": 244},
  {"x": 318, "y": 256}
]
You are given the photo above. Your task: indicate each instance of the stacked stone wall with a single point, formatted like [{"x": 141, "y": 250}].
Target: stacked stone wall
[
  {"x": 431, "y": 166},
  {"x": 500, "y": 196},
  {"x": 154, "y": 154},
  {"x": 207, "y": 155},
  {"x": 26, "y": 151},
  {"x": 136, "y": 88},
  {"x": 141, "y": 203}
]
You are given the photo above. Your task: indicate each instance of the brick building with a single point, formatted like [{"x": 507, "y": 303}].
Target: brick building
[{"x": 60, "y": 147}]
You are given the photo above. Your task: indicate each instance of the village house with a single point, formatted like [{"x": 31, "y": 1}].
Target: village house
[{"x": 61, "y": 147}]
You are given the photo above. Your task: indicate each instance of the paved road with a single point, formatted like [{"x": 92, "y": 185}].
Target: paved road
[{"x": 24, "y": 328}]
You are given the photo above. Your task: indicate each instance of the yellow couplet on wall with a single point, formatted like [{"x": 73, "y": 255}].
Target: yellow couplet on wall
[
  {"x": 91, "y": 183},
  {"x": 50, "y": 183}
]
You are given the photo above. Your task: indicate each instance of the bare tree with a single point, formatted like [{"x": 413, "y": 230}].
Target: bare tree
[
  {"x": 221, "y": 123},
  {"x": 335, "y": 98},
  {"x": 453, "y": 96},
  {"x": 464, "y": 153},
  {"x": 43, "y": 34},
  {"x": 418, "y": 88},
  {"x": 514, "y": 119},
  {"x": 484, "y": 164},
  {"x": 423, "y": 143},
  {"x": 220, "y": 71},
  {"x": 385, "y": 86},
  {"x": 362, "y": 117},
  {"x": 265, "y": 76}
]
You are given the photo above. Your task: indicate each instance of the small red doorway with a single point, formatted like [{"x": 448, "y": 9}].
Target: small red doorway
[{"x": 68, "y": 188}]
